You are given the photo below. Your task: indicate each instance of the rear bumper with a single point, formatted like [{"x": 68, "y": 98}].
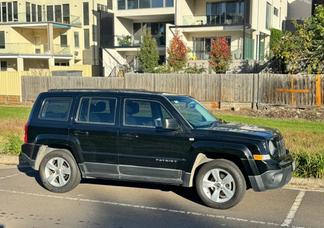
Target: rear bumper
[
  {"x": 27, "y": 154},
  {"x": 24, "y": 159},
  {"x": 272, "y": 179}
]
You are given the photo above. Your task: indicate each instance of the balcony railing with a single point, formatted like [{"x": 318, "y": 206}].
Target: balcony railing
[
  {"x": 209, "y": 20},
  {"x": 22, "y": 17},
  {"x": 136, "y": 41},
  {"x": 31, "y": 49}
]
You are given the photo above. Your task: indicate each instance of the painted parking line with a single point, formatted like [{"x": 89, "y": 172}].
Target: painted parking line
[
  {"x": 292, "y": 212},
  {"x": 143, "y": 207}
]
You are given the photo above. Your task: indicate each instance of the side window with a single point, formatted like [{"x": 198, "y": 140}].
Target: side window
[
  {"x": 56, "y": 109},
  {"x": 143, "y": 113},
  {"x": 97, "y": 110}
]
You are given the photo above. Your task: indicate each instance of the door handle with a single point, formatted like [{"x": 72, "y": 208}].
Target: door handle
[
  {"x": 79, "y": 133},
  {"x": 130, "y": 136}
]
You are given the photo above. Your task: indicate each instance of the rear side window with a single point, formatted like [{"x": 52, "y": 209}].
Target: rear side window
[
  {"x": 57, "y": 109},
  {"x": 97, "y": 110}
]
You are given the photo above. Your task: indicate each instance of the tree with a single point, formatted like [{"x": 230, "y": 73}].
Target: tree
[
  {"x": 275, "y": 39},
  {"x": 177, "y": 52},
  {"x": 148, "y": 55},
  {"x": 220, "y": 55},
  {"x": 303, "y": 50}
]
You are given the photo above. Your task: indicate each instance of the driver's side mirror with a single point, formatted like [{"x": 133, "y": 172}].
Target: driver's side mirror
[{"x": 166, "y": 124}]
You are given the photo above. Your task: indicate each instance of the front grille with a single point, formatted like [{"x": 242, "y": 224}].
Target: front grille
[{"x": 281, "y": 148}]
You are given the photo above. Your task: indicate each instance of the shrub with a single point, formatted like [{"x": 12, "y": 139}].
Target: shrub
[
  {"x": 125, "y": 41},
  {"x": 162, "y": 69},
  {"x": 309, "y": 164},
  {"x": 12, "y": 145},
  {"x": 148, "y": 55},
  {"x": 177, "y": 52},
  {"x": 220, "y": 55},
  {"x": 195, "y": 70}
]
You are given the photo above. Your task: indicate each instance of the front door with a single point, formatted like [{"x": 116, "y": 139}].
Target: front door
[
  {"x": 147, "y": 152},
  {"x": 96, "y": 130}
]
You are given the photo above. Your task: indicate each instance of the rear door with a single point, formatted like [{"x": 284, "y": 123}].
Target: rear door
[{"x": 95, "y": 128}]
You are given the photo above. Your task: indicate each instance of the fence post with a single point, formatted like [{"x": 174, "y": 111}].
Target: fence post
[{"x": 318, "y": 90}]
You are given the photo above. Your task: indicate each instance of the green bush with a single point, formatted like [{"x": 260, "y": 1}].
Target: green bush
[
  {"x": 162, "y": 69},
  {"x": 195, "y": 70},
  {"x": 12, "y": 145},
  {"x": 309, "y": 164}
]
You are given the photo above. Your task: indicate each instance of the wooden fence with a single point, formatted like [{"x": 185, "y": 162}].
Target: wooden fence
[{"x": 270, "y": 89}]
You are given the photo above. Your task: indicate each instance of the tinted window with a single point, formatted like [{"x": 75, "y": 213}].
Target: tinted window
[
  {"x": 50, "y": 15},
  {"x": 56, "y": 109},
  {"x": 97, "y": 110},
  {"x": 143, "y": 113},
  {"x": 86, "y": 13}
]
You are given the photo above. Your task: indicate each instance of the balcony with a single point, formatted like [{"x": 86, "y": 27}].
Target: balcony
[
  {"x": 23, "y": 18},
  {"x": 132, "y": 41},
  {"x": 34, "y": 50},
  {"x": 213, "y": 20}
]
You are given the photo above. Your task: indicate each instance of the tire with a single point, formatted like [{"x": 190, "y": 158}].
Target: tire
[
  {"x": 51, "y": 175},
  {"x": 225, "y": 192}
]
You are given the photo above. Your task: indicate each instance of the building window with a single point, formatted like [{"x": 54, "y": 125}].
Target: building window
[
  {"x": 86, "y": 13},
  {"x": 9, "y": 11},
  {"x": 27, "y": 12},
  {"x": 3, "y": 66},
  {"x": 2, "y": 40},
  {"x": 169, "y": 3},
  {"x": 157, "y": 3},
  {"x": 202, "y": 46},
  {"x": 132, "y": 4},
  {"x": 39, "y": 13},
  {"x": 50, "y": 15},
  {"x": 33, "y": 10},
  {"x": 58, "y": 13},
  {"x": 64, "y": 41},
  {"x": 275, "y": 11},
  {"x": 15, "y": 11},
  {"x": 144, "y": 3},
  {"x": 268, "y": 16},
  {"x": 76, "y": 40},
  {"x": 121, "y": 4},
  {"x": 225, "y": 13},
  {"x": 66, "y": 13},
  {"x": 4, "y": 12},
  {"x": 86, "y": 38}
]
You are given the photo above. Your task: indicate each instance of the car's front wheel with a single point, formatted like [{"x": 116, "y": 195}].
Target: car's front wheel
[
  {"x": 220, "y": 184},
  {"x": 59, "y": 172}
]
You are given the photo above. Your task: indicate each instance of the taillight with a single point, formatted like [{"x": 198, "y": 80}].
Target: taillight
[{"x": 26, "y": 133}]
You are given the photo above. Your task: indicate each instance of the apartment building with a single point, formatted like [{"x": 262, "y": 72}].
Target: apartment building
[
  {"x": 62, "y": 35},
  {"x": 245, "y": 24}
]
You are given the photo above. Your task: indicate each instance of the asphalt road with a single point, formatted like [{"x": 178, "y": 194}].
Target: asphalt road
[{"x": 24, "y": 203}]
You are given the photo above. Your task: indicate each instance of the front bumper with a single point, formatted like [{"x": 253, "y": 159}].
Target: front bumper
[{"x": 272, "y": 179}]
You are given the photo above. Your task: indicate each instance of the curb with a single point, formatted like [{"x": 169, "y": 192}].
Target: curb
[{"x": 9, "y": 159}]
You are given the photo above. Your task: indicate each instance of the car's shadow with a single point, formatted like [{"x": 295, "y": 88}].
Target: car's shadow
[{"x": 187, "y": 193}]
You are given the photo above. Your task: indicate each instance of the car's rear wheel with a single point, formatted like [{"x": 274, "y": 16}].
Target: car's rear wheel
[
  {"x": 220, "y": 184},
  {"x": 59, "y": 172}
]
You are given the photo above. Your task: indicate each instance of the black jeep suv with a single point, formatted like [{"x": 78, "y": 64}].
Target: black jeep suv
[{"x": 151, "y": 137}]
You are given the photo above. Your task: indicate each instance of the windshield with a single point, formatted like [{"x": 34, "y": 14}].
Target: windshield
[{"x": 192, "y": 111}]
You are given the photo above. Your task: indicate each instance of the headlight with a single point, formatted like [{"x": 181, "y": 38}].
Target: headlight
[{"x": 272, "y": 148}]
